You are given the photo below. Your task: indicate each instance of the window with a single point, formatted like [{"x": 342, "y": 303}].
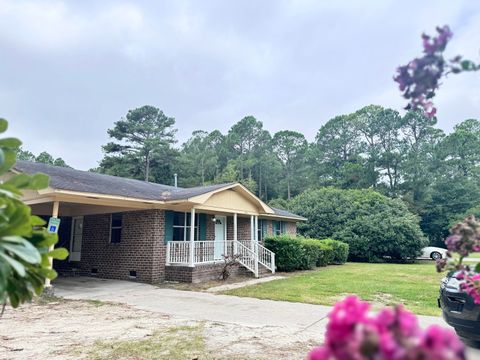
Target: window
[
  {"x": 115, "y": 228},
  {"x": 278, "y": 227},
  {"x": 181, "y": 226}
]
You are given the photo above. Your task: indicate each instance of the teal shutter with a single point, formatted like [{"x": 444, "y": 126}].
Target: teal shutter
[
  {"x": 282, "y": 227},
  {"x": 202, "y": 223},
  {"x": 168, "y": 226}
]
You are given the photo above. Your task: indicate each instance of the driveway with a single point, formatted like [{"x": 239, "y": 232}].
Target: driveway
[{"x": 190, "y": 305}]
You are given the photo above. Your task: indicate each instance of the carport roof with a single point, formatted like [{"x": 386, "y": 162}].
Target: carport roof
[{"x": 91, "y": 182}]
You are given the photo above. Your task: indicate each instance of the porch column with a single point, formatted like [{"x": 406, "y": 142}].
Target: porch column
[
  {"x": 192, "y": 238},
  {"x": 252, "y": 232},
  {"x": 56, "y": 205},
  {"x": 235, "y": 234},
  {"x": 255, "y": 249}
]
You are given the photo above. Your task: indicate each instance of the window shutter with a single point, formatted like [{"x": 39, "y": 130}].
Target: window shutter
[
  {"x": 282, "y": 227},
  {"x": 202, "y": 223},
  {"x": 168, "y": 225}
]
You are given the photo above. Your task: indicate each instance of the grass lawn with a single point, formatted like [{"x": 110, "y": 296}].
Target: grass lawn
[{"x": 414, "y": 285}]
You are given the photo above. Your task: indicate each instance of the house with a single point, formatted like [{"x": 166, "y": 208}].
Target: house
[{"x": 130, "y": 229}]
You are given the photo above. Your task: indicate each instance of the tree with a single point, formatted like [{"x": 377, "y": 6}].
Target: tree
[
  {"x": 460, "y": 150},
  {"x": 24, "y": 242},
  {"x": 44, "y": 157},
  {"x": 144, "y": 133},
  {"x": 336, "y": 154},
  {"x": 374, "y": 226},
  {"x": 25, "y": 155},
  {"x": 420, "y": 165},
  {"x": 290, "y": 147},
  {"x": 244, "y": 139},
  {"x": 198, "y": 158}
]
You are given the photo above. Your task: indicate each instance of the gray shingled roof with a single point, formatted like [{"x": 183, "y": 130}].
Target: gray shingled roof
[
  {"x": 84, "y": 181},
  {"x": 281, "y": 212}
]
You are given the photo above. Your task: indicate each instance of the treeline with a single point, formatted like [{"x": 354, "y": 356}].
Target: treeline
[{"x": 406, "y": 157}]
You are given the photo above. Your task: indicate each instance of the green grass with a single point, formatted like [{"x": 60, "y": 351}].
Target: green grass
[
  {"x": 415, "y": 286},
  {"x": 177, "y": 343}
]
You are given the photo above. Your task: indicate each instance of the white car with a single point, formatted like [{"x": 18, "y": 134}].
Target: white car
[{"x": 434, "y": 253}]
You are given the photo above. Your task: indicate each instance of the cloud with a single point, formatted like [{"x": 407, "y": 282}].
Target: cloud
[{"x": 71, "y": 68}]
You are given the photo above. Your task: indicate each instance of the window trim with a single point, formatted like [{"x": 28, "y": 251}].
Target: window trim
[
  {"x": 186, "y": 225},
  {"x": 115, "y": 227}
]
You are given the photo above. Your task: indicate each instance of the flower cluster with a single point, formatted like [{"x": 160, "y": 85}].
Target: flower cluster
[
  {"x": 355, "y": 334},
  {"x": 420, "y": 78},
  {"x": 471, "y": 285},
  {"x": 464, "y": 239}
]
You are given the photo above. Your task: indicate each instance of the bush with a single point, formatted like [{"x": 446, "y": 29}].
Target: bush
[
  {"x": 339, "y": 251},
  {"x": 373, "y": 225},
  {"x": 289, "y": 255},
  {"x": 298, "y": 253}
]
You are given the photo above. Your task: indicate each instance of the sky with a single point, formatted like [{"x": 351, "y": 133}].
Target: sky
[{"x": 70, "y": 69}]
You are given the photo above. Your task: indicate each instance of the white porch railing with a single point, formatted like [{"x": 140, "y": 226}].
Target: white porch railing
[
  {"x": 266, "y": 258},
  {"x": 178, "y": 253}
]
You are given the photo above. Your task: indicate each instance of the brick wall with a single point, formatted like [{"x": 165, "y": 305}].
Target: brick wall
[
  {"x": 141, "y": 249},
  {"x": 201, "y": 273},
  {"x": 291, "y": 228}
]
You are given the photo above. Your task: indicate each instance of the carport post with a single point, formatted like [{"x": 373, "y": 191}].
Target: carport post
[
  {"x": 192, "y": 238},
  {"x": 50, "y": 260}
]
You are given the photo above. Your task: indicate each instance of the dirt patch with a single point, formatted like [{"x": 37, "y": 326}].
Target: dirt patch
[{"x": 65, "y": 329}]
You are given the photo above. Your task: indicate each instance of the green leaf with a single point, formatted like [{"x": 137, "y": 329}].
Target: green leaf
[
  {"x": 25, "y": 252},
  {"x": 12, "y": 143},
  {"x": 477, "y": 268},
  {"x": 20, "y": 181},
  {"x": 39, "y": 181},
  {"x": 3, "y": 125},
  {"x": 16, "y": 265},
  {"x": 59, "y": 253}
]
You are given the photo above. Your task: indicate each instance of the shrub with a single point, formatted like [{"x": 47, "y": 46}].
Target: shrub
[
  {"x": 298, "y": 253},
  {"x": 373, "y": 225},
  {"x": 339, "y": 250},
  {"x": 289, "y": 254}
]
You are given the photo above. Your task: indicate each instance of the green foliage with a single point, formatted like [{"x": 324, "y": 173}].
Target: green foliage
[
  {"x": 299, "y": 253},
  {"x": 24, "y": 243},
  {"x": 44, "y": 157},
  {"x": 373, "y": 225},
  {"x": 340, "y": 251},
  {"x": 289, "y": 254},
  {"x": 143, "y": 141}
]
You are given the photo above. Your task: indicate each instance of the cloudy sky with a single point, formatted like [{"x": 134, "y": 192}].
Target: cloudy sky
[{"x": 69, "y": 69}]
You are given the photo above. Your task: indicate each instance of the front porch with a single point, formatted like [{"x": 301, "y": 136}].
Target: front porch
[{"x": 246, "y": 251}]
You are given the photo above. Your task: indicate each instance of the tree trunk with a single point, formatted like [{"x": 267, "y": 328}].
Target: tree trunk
[{"x": 147, "y": 167}]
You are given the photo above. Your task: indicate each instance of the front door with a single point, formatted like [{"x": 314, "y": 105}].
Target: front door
[
  {"x": 76, "y": 238},
  {"x": 220, "y": 236}
]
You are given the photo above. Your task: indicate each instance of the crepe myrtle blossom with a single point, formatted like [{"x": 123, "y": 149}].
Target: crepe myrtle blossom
[
  {"x": 353, "y": 333},
  {"x": 464, "y": 240},
  {"x": 420, "y": 78}
]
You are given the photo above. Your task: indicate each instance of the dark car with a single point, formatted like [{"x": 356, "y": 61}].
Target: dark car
[{"x": 459, "y": 310}]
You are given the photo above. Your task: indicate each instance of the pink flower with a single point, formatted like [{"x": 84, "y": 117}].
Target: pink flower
[{"x": 393, "y": 334}]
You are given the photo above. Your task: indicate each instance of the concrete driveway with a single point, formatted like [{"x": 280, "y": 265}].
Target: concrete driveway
[
  {"x": 294, "y": 318},
  {"x": 192, "y": 305}
]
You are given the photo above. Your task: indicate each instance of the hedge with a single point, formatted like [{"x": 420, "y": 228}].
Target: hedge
[
  {"x": 298, "y": 253},
  {"x": 340, "y": 250}
]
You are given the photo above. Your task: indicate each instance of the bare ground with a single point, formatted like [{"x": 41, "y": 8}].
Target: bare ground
[{"x": 66, "y": 329}]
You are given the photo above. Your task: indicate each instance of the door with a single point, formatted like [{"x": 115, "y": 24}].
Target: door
[
  {"x": 220, "y": 237},
  {"x": 76, "y": 239}
]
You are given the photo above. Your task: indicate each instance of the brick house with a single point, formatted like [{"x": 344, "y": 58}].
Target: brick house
[{"x": 129, "y": 229}]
